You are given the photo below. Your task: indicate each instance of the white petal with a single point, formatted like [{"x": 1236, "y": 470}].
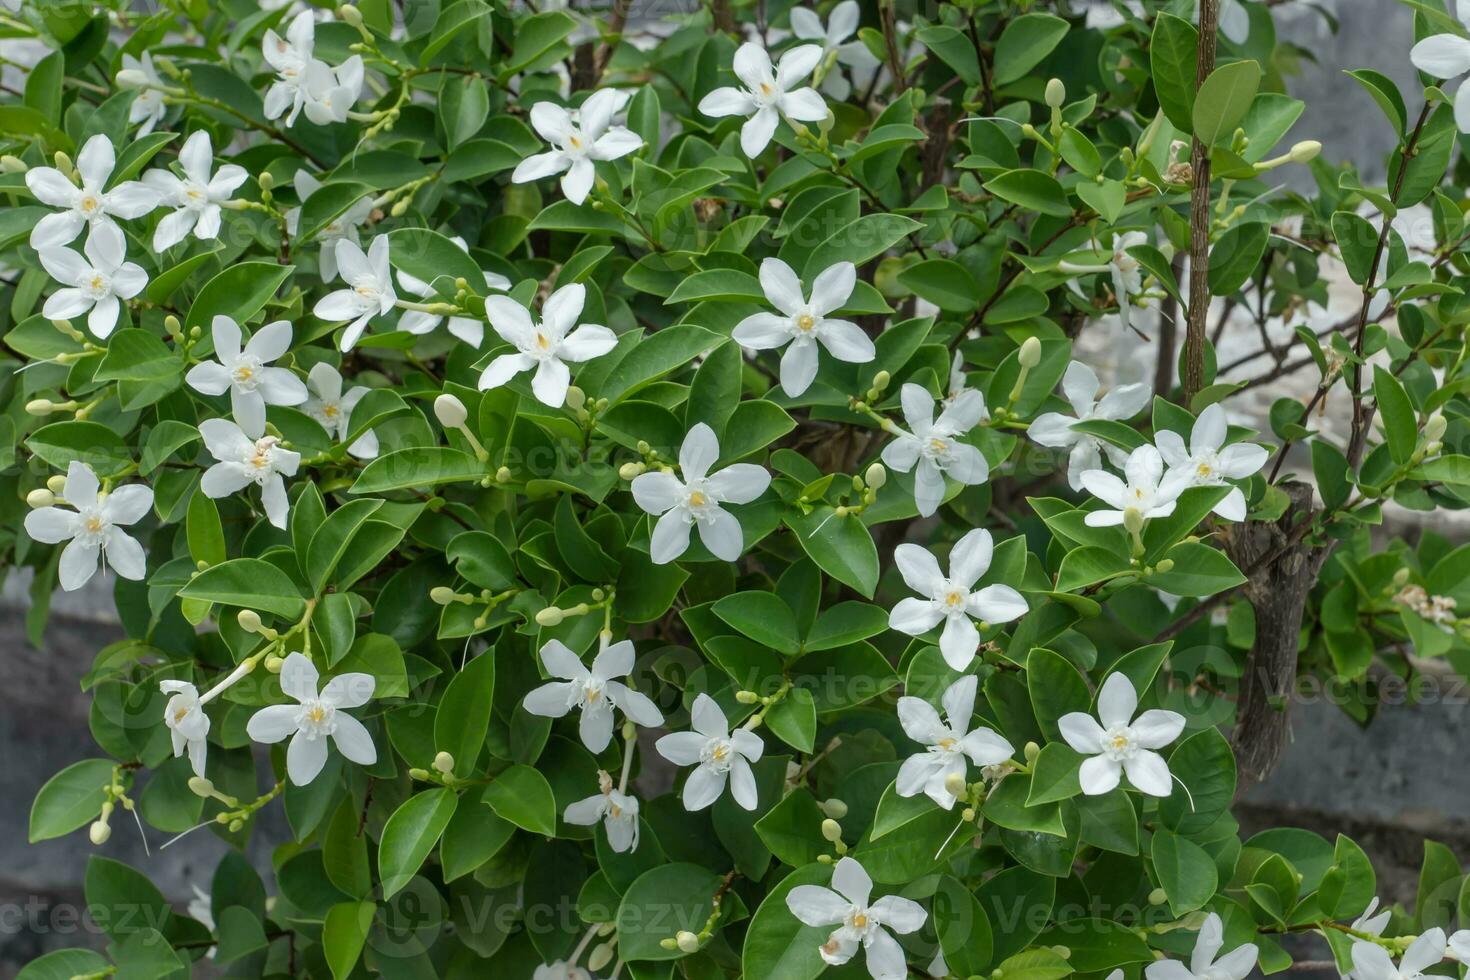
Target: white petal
[
  {"x": 1082, "y": 732},
  {"x": 782, "y": 288},
  {"x": 703, "y": 787},
  {"x": 970, "y": 558},
  {"x": 722, "y": 535},
  {"x": 1442, "y": 55},
  {"x": 305, "y": 758},
  {"x": 833, "y": 288},
  {"x": 914, "y": 617},
  {"x": 354, "y": 742},
  {"x": 1148, "y": 772},
  {"x": 670, "y": 538},
  {"x": 273, "y": 723},
  {"x": 1117, "y": 700},
  {"x": 78, "y": 564},
  {"x": 815, "y": 905},
  {"x": 798, "y": 367},
  {"x": 740, "y": 483},
  {"x": 1099, "y": 775}
]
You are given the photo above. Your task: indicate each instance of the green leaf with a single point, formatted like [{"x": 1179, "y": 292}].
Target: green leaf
[
  {"x": 1357, "y": 240},
  {"x": 343, "y": 935},
  {"x": 332, "y": 539},
  {"x": 1400, "y": 421},
  {"x": 763, "y": 617},
  {"x": 661, "y": 902},
  {"x": 419, "y": 466},
  {"x": 963, "y": 929},
  {"x": 239, "y": 292},
  {"x": 841, "y": 546},
  {"x": 1056, "y": 688},
  {"x": 1236, "y": 257},
  {"x": 1224, "y": 99},
  {"x": 1199, "y": 571},
  {"x": 522, "y": 795},
  {"x": 1173, "y": 52},
  {"x": 463, "y": 717},
  {"x": 777, "y": 944},
  {"x": 1055, "y": 775},
  {"x": 1204, "y": 770},
  {"x": 1032, "y": 190},
  {"x": 249, "y": 583},
  {"x": 410, "y": 834},
  {"x": 1186, "y": 872},
  {"x": 70, "y": 799},
  {"x": 1024, "y": 44}
]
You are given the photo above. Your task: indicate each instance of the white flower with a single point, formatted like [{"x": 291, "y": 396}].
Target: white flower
[
  {"x": 595, "y": 692},
  {"x": 1457, "y": 948},
  {"x": 243, "y": 461},
  {"x": 148, "y": 106},
  {"x": 950, "y": 746},
  {"x": 290, "y": 58},
  {"x": 1122, "y": 743},
  {"x": 1372, "y": 962},
  {"x": 333, "y": 410},
  {"x": 1081, "y": 386},
  {"x": 344, "y": 225},
  {"x": 466, "y": 328},
  {"x": 92, "y": 528},
  {"x": 842, "y": 23},
  {"x": 1448, "y": 56},
  {"x": 846, "y": 905},
  {"x": 1207, "y": 464},
  {"x": 950, "y": 600},
  {"x": 1203, "y": 965},
  {"x": 196, "y": 199},
  {"x": 1149, "y": 492},
  {"x": 803, "y": 323},
  {"x": 369, "y": 291},
  {"x": 559, "y": 970},
  {"x": 94, "y": 285},
  {"x": 959, "y": 382},
  {"x": 246, "y": 374},
  {"x": 546, "y": 346},
  {"x": 1374, "y": 922},
  {"x": 89, "y": 204},
  {"x": 933, "y": 445},
  {"x": 767, "y": 96},
  {"x": 329, "y": 93},
  {"x": 717, "y": 754},
  {"x": 578, "y": 137},
  {"x": 315, "y": 718},
  {"x": 188, "y": 725},
  {"x": 696, "y": 499},
  {"x": 617, "y": 811}
]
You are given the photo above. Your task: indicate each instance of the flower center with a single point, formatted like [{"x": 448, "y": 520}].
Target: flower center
[
  {"x": 88, "y": 204},
  {"x": 97, "y": 285},
  {"x": 574, "y": 141},
  {"x": 697, "y": 499},
  {"x": 805, "y": 322},
  {"x": 1119, "y": 743},
  {"x": 542, "y": 342},
  {"x": 180, "y": 714},
  {"x": 947, "y": 743},
  {"x": 718, "y": 754},
  {"x": 318, "y": 717},
  {"x": 938, "y": 447},
  {"x": 955, "y": 599},
  {"x": 330, "y": 411}
]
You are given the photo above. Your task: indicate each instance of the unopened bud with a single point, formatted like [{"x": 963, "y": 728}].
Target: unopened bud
[
  {"x": 444, "y": 762},
  {"x": 831, "y": 830},
  {"x": 1157, "y": 897},
  {"x": 63, "y": 162},
  {"x": 40, "y": 407},
  {"x": 99, "y": 832},
  {"x": 875, "y": 476},
  {"x": 274, "y": 663},
  {"x": 503, "y": 475},
  {"x": 1133, "y": 520},
  {"x": 834, "y": 808},
  {"x": 1031, "y": 751},
  {"x": 200, "y": 786},
  {"x": 747, "y": 697},
  {"x": 1305, "y": 151},
  {"x": 576, "y": 398},
  {"x": 954, "y": 784},
  {"x": 131, "y": 78},
  {"x": 1056, "y": 93},
  {"x": 450, "y": 411},
  {"x": 12, "y": 164},
  {"x": 237, "y": 825},
  {"x": 56, "y": 483},
  {"x": 249, "y": 620},
  {"x": 442, "y": 595},
  {"x": 350, "y": 15},
  {"x": 550, "y": 616},
  {"x": 1434, "y": 427},
  {"x": 40, "y": 497},
  {"x": 601, "y": 956},
  {"x": 1401, "y": 577},
  {"x": 419, "y": 774},
  {"x": 687, "y": 941},
  {"x": 629, "y": 471},
  {"x": 1030, "y": 354},
  {"x": 1164, "y": 565},
  {"x": 881, "y": 380}
]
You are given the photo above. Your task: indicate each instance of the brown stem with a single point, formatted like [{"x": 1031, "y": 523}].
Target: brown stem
[
  {"x": 1199, "y": 217},
  {"x": 890, "y": 47}
]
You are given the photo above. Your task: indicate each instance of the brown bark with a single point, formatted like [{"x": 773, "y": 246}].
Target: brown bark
[{"x": 1199, "y": 217}]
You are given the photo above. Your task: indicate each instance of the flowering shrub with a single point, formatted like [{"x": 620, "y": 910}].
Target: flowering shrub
[{"x": 625, "y": 489}]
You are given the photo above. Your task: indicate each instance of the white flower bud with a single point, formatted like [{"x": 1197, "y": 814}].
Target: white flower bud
[
  {"x": 1305, "y": 151},
  {"x": 687, "y": 941},
  {"x": 40, "y": 497},
  {"x": 56, "y": 483},
  {"x": 831, "y": 830},
  {"x": 450, "y": 411},
  {"x": 1056, "y": 93},
  {"x": 249, "y": 620},
  {"x": 444, "y": 762},
  {"x": 99, "y": 833},
  {"x": 954, "y": 784},
  {"x": 1434, "y": 427},
  {"x": 601, "y": 956},
  {"x": 130, "y": 78},
  {"x": 12, "y": 164},
  {"x": 441, "y": 595},
  {"x": 200, "y": 786},
  {"x": 1133, "y": 520},
  {"x": 550, "y": 616},
  {"x": 576, "y": 398},
  {"x": 875, "y": 476},
  {"x": 834, "y": 808},
  {"x": 1030, "y": 354},
  {"x": 630, "y": 470},
  {"x": 40, "y": 407}
]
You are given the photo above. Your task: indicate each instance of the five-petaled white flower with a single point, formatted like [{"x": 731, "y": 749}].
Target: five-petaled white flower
[
  {"x": 768, "y": 95},
  {"x": 1203, "y": 963},
  {"x": 546, "y": 346},
  {"x": 1148, "y": 493},
  {"x": 1373, "y": 962},
  {"x": 243, "y": 461},
  {"x": 1448, "y": 56},
  {"x": 1208, "y": 462},
  {"x": 842, "y": 23},
  {"x": 344, "y": 225},
  {"x": 246, "y": 372},
  {"x": 578, "y": 138},
  {"x": 696, "y": 499},
  {"x": 932, "y": 448},
  {"x": 90, "y": 204},
  {"x": 326, "y": 402},
  {"x": 1058, "y": 431},
  {"x": 304, "y": 82},
  {"x": 951, "y": 744},
  {"x": 96, "y": 284},
  {"x": 148, "y": 106},
  {"x": 803, "y": 323},
  {"x": 316, "y": 717},
  {"x": 188, "y": 725},
  {"x": 595, "y": 692},
  {"x": 329, "y": 93},
  {"x": 860, "y": 922},
  {"x": 467, "y": 328},
  {"x": 195, "y": 198},
  {"x": 1122, "y": 743},
  {"x": 717, "y": 755},
  {"x": 950, "y": 600},
  {"x": 93, "y": 528},
  {"x": 617, "y": 810},
  {"x": 369, "y": 291}
]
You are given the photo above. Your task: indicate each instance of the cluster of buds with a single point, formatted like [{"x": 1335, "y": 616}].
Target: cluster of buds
[
  {"x": 442, "y": 771},
  {"x": 1437, "y": 609},
  {"x": 555, "y": 615}
]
